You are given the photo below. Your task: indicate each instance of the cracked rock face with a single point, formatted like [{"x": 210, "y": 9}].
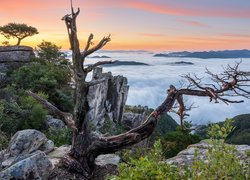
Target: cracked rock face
[{"x": 108, "y": 98}]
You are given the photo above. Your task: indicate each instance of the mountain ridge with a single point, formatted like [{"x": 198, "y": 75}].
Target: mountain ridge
[{"x": 244, "y": 53}]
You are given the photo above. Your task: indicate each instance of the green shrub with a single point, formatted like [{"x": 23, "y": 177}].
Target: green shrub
[
  {"x": 221, "y": 159},
  {"x": 241, "y": 133},
  {"x": 3, "y": 140},
  {"x": 176, "y": 141},
  {"x": 59, "y": 137},
  {"x": 24, "y": 114},
  {"x": 151, "y": 166},
  {"x": 111, "y": 128},
  {"x": 221, "y": 162},
  {"x": 47, "y": 78},
  {"x": 50, "y": 53}
]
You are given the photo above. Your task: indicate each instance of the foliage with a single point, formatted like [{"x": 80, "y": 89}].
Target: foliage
[
  {"x": 176, "y": 141},
  {"x": 110, "y": 128},
  {"x": 221, "y": 159},
  {"x": 5, "y": 43},
  {"x": 151, "y": 166},
  {"x": 24, "y": 113},
  {"x": 221, "y": 162},
  {"x": 49, "y": 52},
  {"x": 165, "y": 124},
  {"x": 3, "y": 140},
  {"x": 59, "y": 137},
  {"x": 48, "y": 78},
  {"x": 138, "y": 109},
  {"x": 19, "y": 31},
  {"x": 241, "y": 133},
  {"x": 220, "y": 131}
]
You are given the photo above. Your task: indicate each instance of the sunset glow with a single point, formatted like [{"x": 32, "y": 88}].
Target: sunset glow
[{"x": 157, "y": 25}]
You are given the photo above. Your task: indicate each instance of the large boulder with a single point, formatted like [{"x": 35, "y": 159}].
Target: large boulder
[
  {"x": 107, "y": 99},
  {"x": 23, "y": 143},
  {"x": 187, "y": 156},
  {"x": 15, "y": 54},
  {"x": 55, "y": 124},
  {"x": 56, "y": 155},
  {"x": 32, "y": 166},
  {"x": 106, "y": 159}
]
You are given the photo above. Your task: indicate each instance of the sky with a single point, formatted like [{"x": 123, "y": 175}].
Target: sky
[{"x": 155, "y": 25}]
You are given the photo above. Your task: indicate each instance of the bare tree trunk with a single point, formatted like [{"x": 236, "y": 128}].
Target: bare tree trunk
[{"x": 18, "y": 41}]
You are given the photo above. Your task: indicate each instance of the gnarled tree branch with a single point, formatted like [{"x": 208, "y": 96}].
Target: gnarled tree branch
[
  {"x": 92, "y": 66},
  {"x": 67, "y": 117},
  {"x": 101, "y": 44}
]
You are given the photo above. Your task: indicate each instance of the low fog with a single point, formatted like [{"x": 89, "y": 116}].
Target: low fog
[{"x": 148, "y": 84}]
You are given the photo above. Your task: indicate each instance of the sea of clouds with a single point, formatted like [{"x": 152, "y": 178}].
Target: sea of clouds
[{"x": 148, "y": 84}]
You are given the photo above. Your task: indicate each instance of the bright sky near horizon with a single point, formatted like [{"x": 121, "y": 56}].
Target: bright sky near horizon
[{"x": 157, "y": 25}]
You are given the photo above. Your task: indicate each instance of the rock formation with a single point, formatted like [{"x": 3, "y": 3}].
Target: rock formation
[
  {"x": 12, "y": 57},
  {"x": 55, "y": 124},
  {"x": 25, "y": 157},
  {"x": 107, "y": 99},
  {"x": 186, "y": 157}
]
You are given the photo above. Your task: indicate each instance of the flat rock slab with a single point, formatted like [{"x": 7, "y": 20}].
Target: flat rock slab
[
  {"x": 106, "y": 159},
  {"x": 16, "y": 53}
]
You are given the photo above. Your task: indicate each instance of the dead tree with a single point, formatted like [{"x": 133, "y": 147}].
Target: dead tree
[{"x": 85, "y": 145}]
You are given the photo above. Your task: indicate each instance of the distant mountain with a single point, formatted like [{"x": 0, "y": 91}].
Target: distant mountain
[
  {"x": 125, "y": 63},
  {"x": 208, "y": 54},
  {"x": 180, "y": 63},
  {"x": 100, "y": 57},
  {"x": 240, "y": 135}
]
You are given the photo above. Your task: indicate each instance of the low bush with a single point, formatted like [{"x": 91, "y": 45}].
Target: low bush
[
  {"x": 59, "y": 137},
  {"x": 221, "y": 162}
]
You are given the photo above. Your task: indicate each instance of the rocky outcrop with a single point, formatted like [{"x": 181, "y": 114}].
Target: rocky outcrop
[
  {"x": 12, "y": 57},
  {"x": 26, "y": 157},
  {"x": 32, "y": 166},
  {"x": 106, "y": 159},
  {"x": 56, "y": 155},
  {"x": 132, "y": 120},
  {"x": 55, "y": 124},
  {"x": 186, "y": 157},
  {"x": 107, "y": 99}
]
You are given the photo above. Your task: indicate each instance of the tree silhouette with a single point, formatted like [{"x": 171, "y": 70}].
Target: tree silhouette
[{"x": 19, "y": 31}]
